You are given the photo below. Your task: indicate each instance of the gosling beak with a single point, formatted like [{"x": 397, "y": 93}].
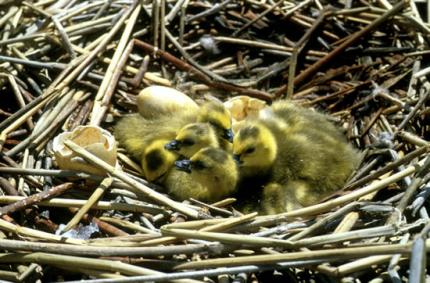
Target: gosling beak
[
  {"x": 228, "y": 135},
  {"x": 183, "y": 165},
  {"x": 173, "y": 145},
  {"x": 236, "y": 158}
]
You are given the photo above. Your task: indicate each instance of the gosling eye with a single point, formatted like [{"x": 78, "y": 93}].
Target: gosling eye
[
  {"x": 199, "y": 165},
  {"x": 250, "y": 150},
  {"x": 187, "y": 142}
]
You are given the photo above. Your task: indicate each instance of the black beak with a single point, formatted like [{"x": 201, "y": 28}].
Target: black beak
[
  {"x": 228, "y": 135},
  {"x": 183, "y": 165},
  {"x": 236, "y": 157},
  {"x": 173, "y": 145}
]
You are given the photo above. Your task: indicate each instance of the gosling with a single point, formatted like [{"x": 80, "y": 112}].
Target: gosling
[
  {"x": 192, "y": 138},
  {"x": 209, "y": 175}
]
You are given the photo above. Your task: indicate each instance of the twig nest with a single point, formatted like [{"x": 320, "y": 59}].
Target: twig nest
[
  {"x": 94, "y": 139},
  {"x": 155, "y": 101},
  {"x": 243, "y": 107}
]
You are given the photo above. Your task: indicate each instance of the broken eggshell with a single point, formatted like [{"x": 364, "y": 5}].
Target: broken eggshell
[
  {"x": 243, "y": 107},
  {"x": 94, "y": 139}
]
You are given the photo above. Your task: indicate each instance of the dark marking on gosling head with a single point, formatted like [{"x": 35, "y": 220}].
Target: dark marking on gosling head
[
  {"x": 249, "y": 132},
  {"x": 154, "y": 159},
  {"x": 216, "y": 154},
  {"x": 199, "y": 129}
]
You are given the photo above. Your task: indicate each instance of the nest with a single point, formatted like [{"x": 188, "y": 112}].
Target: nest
[{"x": 65, "y": 64}]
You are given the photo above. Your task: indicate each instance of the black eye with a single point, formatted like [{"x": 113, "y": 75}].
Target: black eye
[
  {"x": 187, "y": 142},
  {"x": 198, "y": 165},
  {"x": 250, "y": 150}
]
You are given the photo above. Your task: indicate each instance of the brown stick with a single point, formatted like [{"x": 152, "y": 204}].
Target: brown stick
[
  {"x": 348, "y": 42},
  {"x": 33, "y": 199},
  {"x": 184, "y": 66}
]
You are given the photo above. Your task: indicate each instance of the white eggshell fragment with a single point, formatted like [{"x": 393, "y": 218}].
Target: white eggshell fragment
[
  {"x": 94, "y": 139},
  {"x": 243, "y": 107},
  {"x": 155, "y": 101}
]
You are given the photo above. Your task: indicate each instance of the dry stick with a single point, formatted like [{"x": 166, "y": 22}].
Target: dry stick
[
  {"x": 298, "y": 47},
  {"x": 214, "y": 9},
  {"x": 37, "y": 9},
  {"x": 34, "y": 199},
  {"x": 87, "y": 250},
  {"x": 22, "y": 115},
  {"x": 28, "y": 232},
  {"x": 228, "y": 238},
  {"x": 211, "y": 75},
  {"x": 391, "y": 166},
  {"x": 64, "y": 37},
  {"x": 414, "y": 111},
  {"x": 372, "y": 121},
  {"x": 137, "y": 79},
  {"x": 163, "y": 24},
  {"x": 417, "y": 265},
  {"x": 80, "y": 262},
  {"x": 205, "y": 273},
  {"x": 96, "y": 195},
  {"x": 98, "y": 49},
  {"x": 351, "y": 218},
  {"x": 100, "y": 205},
  {"x": 215, "y": 225},
  {"x": 47, "y": 124},
  {"x": 410, "y": 191},
  {"x": 8, "y": 188},
  {"x": 328, "y": 254},
  {"x": 348, "y": 42},
  {"x": 49, "y": 172},
  {"x": 129, "y": 225},
  {"x": 387, "y": 230},
  {"x": 130, "y": 181},
  {"x": 30, "y": 269},
  {"x": 268, "y": 10},
  {"x": 18, "y": 95},
  {"x": 413, "y": 139},
  {"x": 322, "y": 222},
  {"x": 198, "y": 74},
  {"x": 174, "y": 11},
  {"x": 212, "y": 208},
  {"x": 155, "y": 14},
  {"x": 35, "y": 182},
  {"x": 113, "y": 72},
  {"x": 182, "y": 22},
  {"x": 148, "y": 75},
  {"x": 12, "y": 11}
]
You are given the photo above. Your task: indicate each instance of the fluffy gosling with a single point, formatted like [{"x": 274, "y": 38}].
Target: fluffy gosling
[{"x": 209, "y": 175}]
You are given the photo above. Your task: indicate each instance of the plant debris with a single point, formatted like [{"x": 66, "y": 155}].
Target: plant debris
[{"x": 65, "y": 64}]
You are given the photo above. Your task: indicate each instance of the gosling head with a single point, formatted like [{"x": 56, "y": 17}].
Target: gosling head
[
  {"x": 156, "y": 160},
  {"x": 214, "y": 169},
  {"x": 214, "y": 113},
  {"x": 255, "y": 148},
  {"x": 192, "y": 138}
]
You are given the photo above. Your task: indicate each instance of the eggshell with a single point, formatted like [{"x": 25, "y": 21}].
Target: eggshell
[
  {"x": 243, "y": 107},
  {"x": 94, "y": 139}
]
